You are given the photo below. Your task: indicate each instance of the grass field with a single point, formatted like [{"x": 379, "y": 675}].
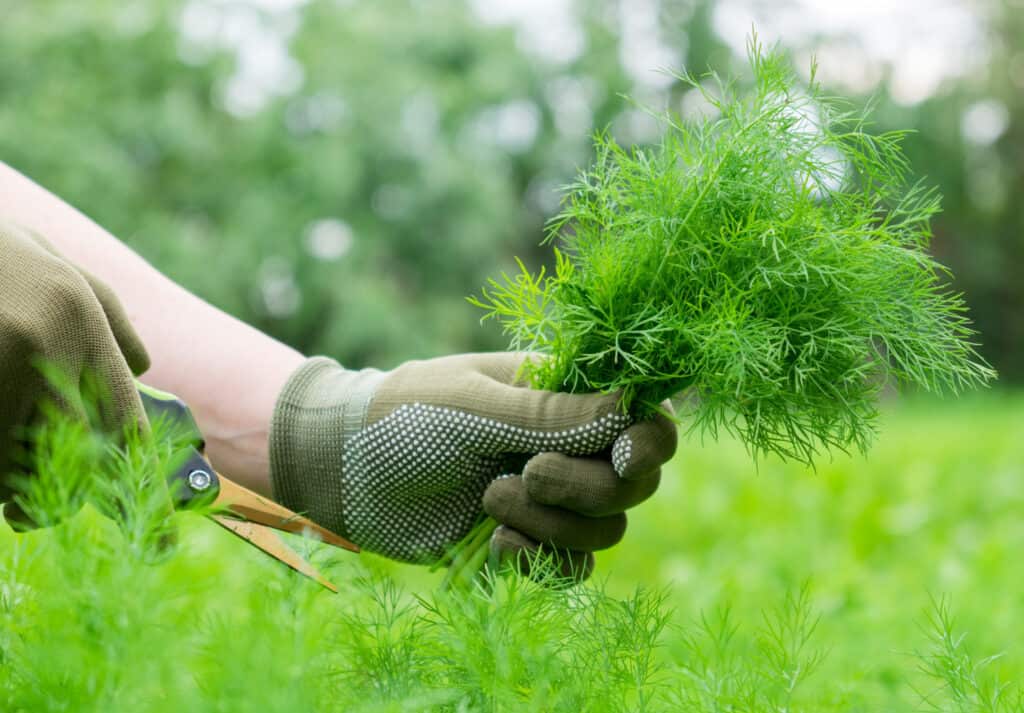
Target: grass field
[{"x": 885, "y": 583}]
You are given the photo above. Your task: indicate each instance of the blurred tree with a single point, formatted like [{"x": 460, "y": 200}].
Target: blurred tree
[
  {"x": 407, "y": 151},
  {"x": 969, "y": 142},
  {"x": 342, "y": 173}
]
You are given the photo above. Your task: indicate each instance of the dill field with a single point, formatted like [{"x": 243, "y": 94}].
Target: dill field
[
  {"x": 886, "y": 583},
  {"x": 842, "y": 526}
]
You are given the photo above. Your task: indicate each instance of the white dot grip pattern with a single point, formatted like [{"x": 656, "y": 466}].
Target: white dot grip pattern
[
  {"x": 413, "y": 481},
  {"x": 622, "y": 452}
]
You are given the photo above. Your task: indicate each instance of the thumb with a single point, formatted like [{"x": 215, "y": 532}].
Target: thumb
[
  {"x": 482, "y": 395},
  {"x": 574, "y": 424}
]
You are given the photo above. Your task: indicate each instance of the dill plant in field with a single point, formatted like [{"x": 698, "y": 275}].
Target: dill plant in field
[
  {"x": 96, "y": 616},
  {"x": 771, "y": 262},
  {"x": 769, "y": 265}
]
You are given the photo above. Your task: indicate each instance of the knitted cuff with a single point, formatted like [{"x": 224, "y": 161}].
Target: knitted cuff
[{"x": 320, "y": 408}]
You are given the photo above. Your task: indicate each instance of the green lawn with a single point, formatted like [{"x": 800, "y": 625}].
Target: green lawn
[
  {"x": 771, "y": 589},
  {"x": 936, "y": 510}
]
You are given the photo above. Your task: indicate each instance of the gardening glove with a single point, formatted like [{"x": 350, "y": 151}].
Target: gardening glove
[
  {"x": 404, "y": 462},
  {"x": 54, "y": 314}
]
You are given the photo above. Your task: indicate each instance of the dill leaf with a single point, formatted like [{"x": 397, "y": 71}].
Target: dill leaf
[{"x": 769, "y": 264}]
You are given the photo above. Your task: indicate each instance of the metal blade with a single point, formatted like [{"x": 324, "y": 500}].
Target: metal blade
[
  {"x": 261, "y": 537},
  {"x": 252, "y": 506}
]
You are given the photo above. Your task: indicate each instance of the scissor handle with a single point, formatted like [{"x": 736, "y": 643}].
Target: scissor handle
[
  {"x": 194, "y": 479},
  {"x": 161, "y": 405}
]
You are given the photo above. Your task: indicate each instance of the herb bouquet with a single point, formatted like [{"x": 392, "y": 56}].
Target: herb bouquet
[{"x": 768, "y": 264}]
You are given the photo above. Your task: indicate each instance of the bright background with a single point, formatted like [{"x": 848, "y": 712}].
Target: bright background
[{"x": 343, "y": 173}]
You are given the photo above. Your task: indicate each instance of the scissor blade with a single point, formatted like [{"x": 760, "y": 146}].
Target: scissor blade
[
  {"x": 264, "y": 539},
  {"x": 253, "y": 506}
]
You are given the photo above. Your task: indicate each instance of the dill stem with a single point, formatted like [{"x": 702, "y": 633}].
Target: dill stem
[{"x": 470, "y": 556}]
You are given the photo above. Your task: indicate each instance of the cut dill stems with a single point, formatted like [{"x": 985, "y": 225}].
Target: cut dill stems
[
  {"x": 767, "y": 265},
  {"x": 770, "y": 263}
]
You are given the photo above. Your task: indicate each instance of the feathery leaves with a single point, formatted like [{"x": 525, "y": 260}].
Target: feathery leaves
[{"x": 769, "y": 263}]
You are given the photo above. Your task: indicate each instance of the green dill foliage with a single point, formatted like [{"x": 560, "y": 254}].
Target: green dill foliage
[
  {"x": 960, "y": 681},
  {"x": 703, "y": 612},
  {"x": 770, "y": 262},
  {"x": 718, "y": 671}
]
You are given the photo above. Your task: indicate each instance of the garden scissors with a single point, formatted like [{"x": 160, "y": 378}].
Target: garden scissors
[{"x": 246, "y": 514}]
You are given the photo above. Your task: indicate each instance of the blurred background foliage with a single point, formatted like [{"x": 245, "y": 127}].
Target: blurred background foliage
[{"x": 343, "y": 173}]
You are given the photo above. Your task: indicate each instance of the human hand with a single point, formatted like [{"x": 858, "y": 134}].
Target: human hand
[
  {"x": 404, "y": 462},
  {"x": 53, "y": 314}
]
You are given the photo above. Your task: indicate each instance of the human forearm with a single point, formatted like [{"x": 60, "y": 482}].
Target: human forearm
[{"x": 228, "y": 372}]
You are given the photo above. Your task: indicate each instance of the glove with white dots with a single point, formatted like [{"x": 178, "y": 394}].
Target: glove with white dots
[{"x": 404, "y": 462}]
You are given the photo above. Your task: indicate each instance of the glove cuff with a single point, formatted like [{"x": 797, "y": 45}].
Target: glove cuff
[{"x": 320, "y": 408}]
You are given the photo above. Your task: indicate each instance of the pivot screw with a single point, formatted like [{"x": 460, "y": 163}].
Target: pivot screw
[{"x": 199, "y": 480}]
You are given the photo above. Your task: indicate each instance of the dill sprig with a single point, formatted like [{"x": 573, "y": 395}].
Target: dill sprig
[{"x": 769, "y": 263}]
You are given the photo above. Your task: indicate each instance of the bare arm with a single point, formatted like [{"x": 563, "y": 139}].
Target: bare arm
[{"x": 228, "y": 372}]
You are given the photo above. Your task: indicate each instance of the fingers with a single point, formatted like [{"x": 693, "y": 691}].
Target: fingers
[
  {"x": 127, "y": 338},
  {"x": 508, "y": 502},
  {"x": 538, "y": 561},
  {"x": 644, "y": 446},
  {"x": 568, "y": 506},
  {"x": 588, "y": 486}
]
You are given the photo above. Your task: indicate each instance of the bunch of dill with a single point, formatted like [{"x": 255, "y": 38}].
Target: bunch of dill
[
  {"x": 766, "y": 262},
  {"x": 770, "y": 262}
]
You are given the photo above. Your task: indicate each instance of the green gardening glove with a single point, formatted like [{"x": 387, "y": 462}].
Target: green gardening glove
[
  {"x": 404, "y": 463},
  {"x": 55, "y": 314}
]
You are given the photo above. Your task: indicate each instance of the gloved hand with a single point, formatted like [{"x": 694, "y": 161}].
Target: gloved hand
[
  {"x": 404, "y": 462},
  {"x": 52, "y": 313}
]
